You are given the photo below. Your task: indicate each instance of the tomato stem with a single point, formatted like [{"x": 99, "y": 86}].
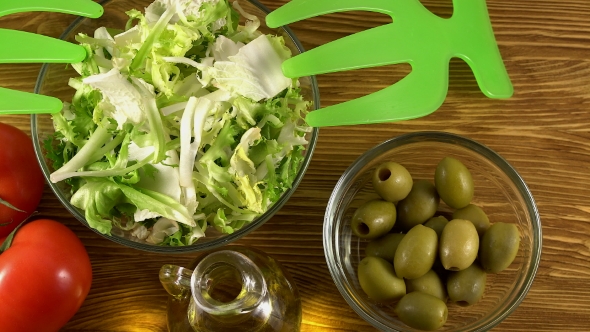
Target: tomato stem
[
  {"x": 3, "y": 202},
  {"x": 8, "y": 241}
]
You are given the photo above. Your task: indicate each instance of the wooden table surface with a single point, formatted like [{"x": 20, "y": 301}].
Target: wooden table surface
[{"x": 543, "y": 131}]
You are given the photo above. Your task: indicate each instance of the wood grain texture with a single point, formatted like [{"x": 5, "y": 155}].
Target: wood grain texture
[{"x": 543, "y": 131}]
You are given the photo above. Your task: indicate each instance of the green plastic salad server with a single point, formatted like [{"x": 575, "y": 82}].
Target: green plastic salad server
[
  {"x": 85, "y": 8},
  {"x": 33, "y": 48},
  {"x": 416, "y": 36}
]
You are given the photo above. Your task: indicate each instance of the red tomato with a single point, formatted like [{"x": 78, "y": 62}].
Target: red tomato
[
  {"x": 45, "y": 275},
  {"x": 21, "y": 180}
]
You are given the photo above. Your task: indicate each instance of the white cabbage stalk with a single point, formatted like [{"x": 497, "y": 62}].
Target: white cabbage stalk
[
  {"x": 254, "y": 72},
  {"x": 191, "y": 126},
  {"x": 162, "y": 228},
  {"x": 140, "y": 231},
  {"x": 121, "y": 94},
  {"x": 224, "y": 47},
  {"x": 141, "y": 215},
  {"x": 191, "y": 129},
  {"x": 166, "y": 180}
]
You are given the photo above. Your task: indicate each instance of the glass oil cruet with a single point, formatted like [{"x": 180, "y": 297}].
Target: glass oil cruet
[{"x": 234, "y": 288}]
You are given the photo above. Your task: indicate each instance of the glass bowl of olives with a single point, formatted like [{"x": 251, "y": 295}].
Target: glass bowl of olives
[{"x": 432, "y": 231}]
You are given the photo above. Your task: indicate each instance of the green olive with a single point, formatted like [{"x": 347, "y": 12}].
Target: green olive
[
  {"x": 466, "y": 287},
  {"x": 416, "y": 252},
  {"x": 392, "y": 181},
  {"x": 373, "y": 219},
  {"x": 378, "y": 280},
  {"x": 459, "y": 244},
  {"x": 499, "y": 246},
  {"x": 437, "y": 223},
  {"x": 422, "y": 311},
  {"x": 384, "y": 246},
  {"x": 476, "y": 215},
  {"x": 430, "y": 283},
  {"x": 419, "y": 206},
  {"x": 453, "y": 182}
]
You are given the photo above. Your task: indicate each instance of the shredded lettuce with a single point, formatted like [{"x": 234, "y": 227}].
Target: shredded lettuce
[{"x": 182, "y": 122}]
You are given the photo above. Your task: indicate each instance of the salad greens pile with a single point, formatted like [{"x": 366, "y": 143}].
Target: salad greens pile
[{"x": 180, "y": 122}]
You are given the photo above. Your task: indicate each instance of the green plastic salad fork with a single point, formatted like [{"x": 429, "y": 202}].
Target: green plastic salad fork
[
  {"x": 25, "y": 47},
  {"x": 416, "y": 36}
]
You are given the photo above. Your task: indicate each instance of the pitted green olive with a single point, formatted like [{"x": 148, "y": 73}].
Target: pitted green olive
[
  {"x": 466, "y": 287},
  {"x": 373, "y": 219},
  {"x": 384, "y": 246},
  {"x": 416, "y": 252},
  {"x": 453, "y": 182},
  {"x": 422, "y": 311},
  {"x": 459, "y": 244},
  {"x": 476, "y": 215},
  {"x": 378, "y": 280},
  {"x": 392, "y": 181},
  {"x": 430, "y": 283},
  {"x": 499, "y": 246},
  {"x": 419, "y": 206},
  {"x": 437, "y": 223}
]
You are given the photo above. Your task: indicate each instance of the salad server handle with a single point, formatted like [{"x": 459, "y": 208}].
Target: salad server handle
[
  {"x": 34, "y": 48},
  {"x": 87, "y": 8},
  {"x": 18, "y": 102}
]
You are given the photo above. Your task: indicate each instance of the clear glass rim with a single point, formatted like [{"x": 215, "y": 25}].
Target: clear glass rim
[
  {"x": 331, "y": 226},
  {"x": 254, "y": 287},
  {"x": 197, "y": 246}
]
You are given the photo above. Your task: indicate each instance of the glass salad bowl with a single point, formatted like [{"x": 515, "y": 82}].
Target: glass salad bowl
[
  {"x": 498, "y": 190},
  {"x": 234, "y": 208}
]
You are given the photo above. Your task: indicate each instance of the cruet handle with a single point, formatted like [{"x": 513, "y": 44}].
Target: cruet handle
[{"x": 176, "y": 280}]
